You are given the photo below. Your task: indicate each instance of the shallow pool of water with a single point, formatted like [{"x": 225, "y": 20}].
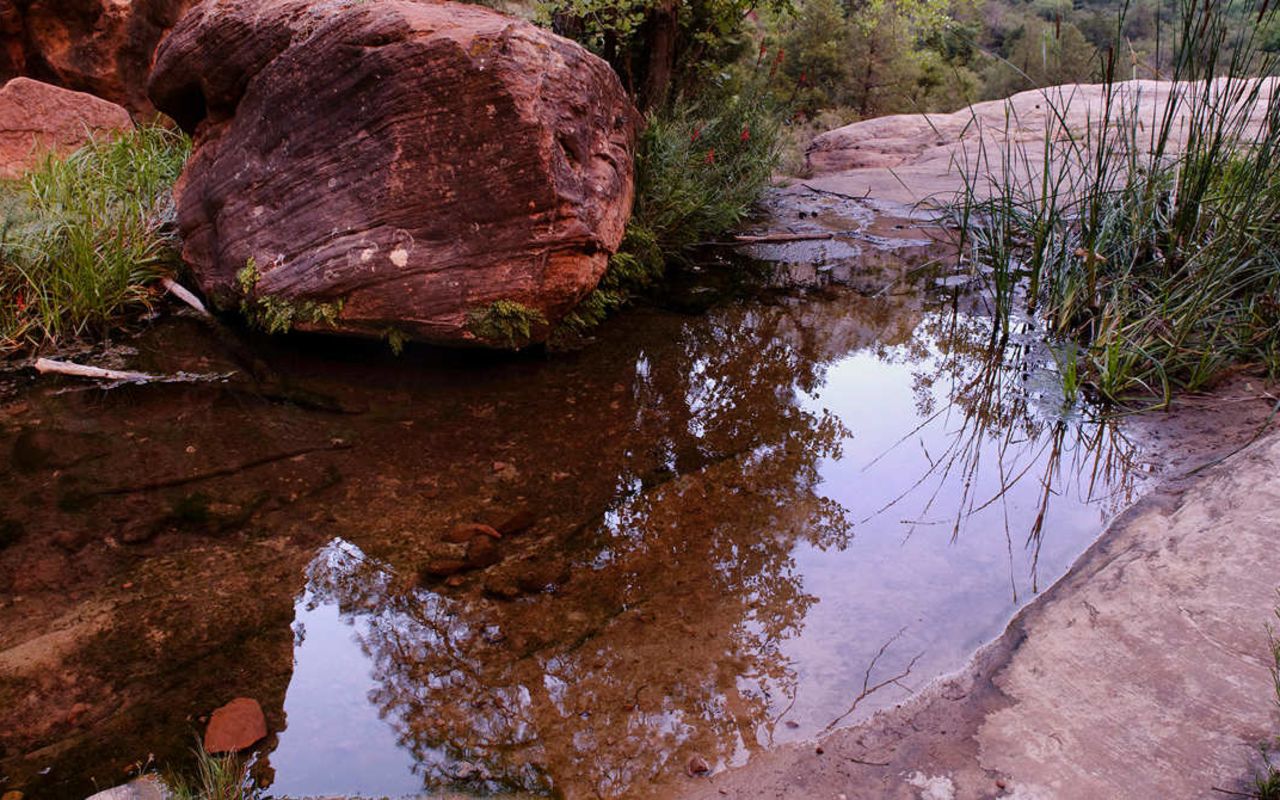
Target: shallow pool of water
[{"x": 739, "y": 528}]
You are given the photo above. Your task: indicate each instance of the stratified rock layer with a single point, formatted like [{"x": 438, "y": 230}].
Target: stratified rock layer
[
  {"x": 36, "y": 118},
  {"x": 416, "y": 161}
]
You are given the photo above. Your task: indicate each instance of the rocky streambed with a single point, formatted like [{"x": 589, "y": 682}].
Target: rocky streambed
[{"x": 748, "y": 515}]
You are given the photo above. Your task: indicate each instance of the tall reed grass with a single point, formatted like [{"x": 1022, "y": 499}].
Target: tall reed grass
[
  {"x": 1150, "y": 236},
  {"x": 84, "y": 236}
]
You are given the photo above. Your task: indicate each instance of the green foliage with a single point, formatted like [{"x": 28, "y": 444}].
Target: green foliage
[
  {"x": 659, "y": 48},
  {"x": 1161, "y": 259},
  {"x": 215, "y": 778},
  {"x": 84, "y": 236},
  {"x": 506, "y": 323},
  {"x": 1041, "y": 54},
  {"x": 699, "y": 168},
  {"x": 396, "y": 340},
  {"x": 274, "y": 314},
  {"x": 876, "y": 56}
]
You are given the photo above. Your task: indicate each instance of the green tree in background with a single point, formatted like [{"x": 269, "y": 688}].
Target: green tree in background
[
  {"x": 1041, "y": 54},
  {"x": 658, "y": 47}
]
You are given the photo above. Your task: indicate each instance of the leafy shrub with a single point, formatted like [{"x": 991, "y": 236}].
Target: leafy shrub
[
  {"x": 506, "y": 323},
  {"x": 700, "y": 166}
]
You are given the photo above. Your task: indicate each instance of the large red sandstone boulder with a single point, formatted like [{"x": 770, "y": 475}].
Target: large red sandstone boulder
[
  {"x": 412, "y": 162},
  {"x": 36, "y": 118},
  {"x": 103, "y": 47}
]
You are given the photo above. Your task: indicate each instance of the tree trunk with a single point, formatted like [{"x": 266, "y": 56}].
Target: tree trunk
[{"x": 664, "y": 27}]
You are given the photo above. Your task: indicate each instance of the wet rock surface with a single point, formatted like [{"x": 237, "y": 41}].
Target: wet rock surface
[
  {"x": 37, "y": 119},
  {"x": 500, "y": 171}
]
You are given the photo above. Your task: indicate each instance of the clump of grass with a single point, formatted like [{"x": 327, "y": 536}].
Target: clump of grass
[
  {"x": 506, "y": 323},
  {"x": 273, "y": 314},
  {"x": 700, "y": 166},
  {"x": 1154, "y": 243},
  {"x": 215, "y": 778},
  {"x": 83, "y": 237}
]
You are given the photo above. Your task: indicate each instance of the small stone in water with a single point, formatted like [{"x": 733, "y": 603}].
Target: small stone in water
[
  {"x": 443, "y": 567},
  {"x": 235, "y": 726},
  {"x": 516, "y": 522},
  {"x": 464, "y": 533},
  {"x": 482, "y": 552}
]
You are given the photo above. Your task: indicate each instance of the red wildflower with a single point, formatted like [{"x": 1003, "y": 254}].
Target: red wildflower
[
  {"x": 760, "y": 57},
  {"x": 746, "y": 133},
  {"x": 777, "y": 61},
  {"x": 711, "y": 156},
  {"x": 22, "y": 303},
  {"x": 804, "y": 78},
  {"x": 696, "y": 135}
]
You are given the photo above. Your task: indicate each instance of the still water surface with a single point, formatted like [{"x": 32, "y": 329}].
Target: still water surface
[{"x": 741, "y": 528}]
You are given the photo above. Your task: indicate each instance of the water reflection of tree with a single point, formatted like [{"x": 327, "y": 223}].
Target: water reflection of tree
[{"x": 665, "y": 643}]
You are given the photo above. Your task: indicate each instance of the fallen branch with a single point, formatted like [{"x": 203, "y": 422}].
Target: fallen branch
[
  {"x": 867, "y": 689},
  {"x": 767, "y": 238},
  {"x": 179, "y": 291},
  {"x": 47, "y": 366},
  {"x": 222, "y": 472}
]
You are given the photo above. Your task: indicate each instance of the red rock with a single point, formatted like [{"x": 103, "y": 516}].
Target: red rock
[
  {"x": 516, "y": 522},
  {"x": 443, "y": 567},
  {"x": 235, "y": 726},
  {"x": 465, "y": 532},
  {"x": 36, "y": 118},
  {"x": 418, "y": 161},
  {"x": 482, "y": 551},
  {"x": 103, "y": 47}
]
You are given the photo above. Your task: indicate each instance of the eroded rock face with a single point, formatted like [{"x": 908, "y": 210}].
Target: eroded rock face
[
  {"x": 36, "y": 118},
  {"x": 103, "y": 47},
  {"x": 412, "y": 163}
]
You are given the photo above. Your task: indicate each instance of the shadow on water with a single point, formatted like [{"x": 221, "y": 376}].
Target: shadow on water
[{"x": 725, "y": 531}]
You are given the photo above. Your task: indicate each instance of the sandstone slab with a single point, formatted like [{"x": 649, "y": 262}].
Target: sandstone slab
[
  {"x": 405, "y": 165},
  {"x": 926, "y": 158},
  {"x": 36, "y": 118}
]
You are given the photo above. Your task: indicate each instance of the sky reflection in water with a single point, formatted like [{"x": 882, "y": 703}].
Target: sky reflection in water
[{"x": 822, "y": 525}]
